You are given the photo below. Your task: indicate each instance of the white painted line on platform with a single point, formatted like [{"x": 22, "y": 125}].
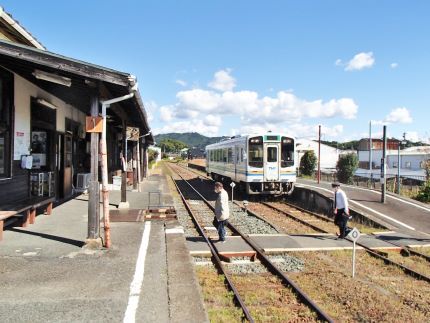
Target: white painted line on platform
[
  {"x": 379, "y": 193},
  {"x": 383, "y": 215},
  {"x": 175, "y": 230},
  {"x": 136, "y": 284},
  {"x": 365, "y": 207}
]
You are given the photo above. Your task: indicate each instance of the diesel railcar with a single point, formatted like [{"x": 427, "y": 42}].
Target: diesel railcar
[{"x": 261, "y": 163}]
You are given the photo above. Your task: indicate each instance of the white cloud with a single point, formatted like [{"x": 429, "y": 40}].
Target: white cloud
[
  {"x": 181, "y": 82},
  {"x": 413, "y": 136},
  {"x": 338, "y": 62},
  {"x": 223, "y": 81},
  {"x": 150, "y": 108},
  {"x": 399, "y": 115},
  {"x": 360, "y": 61},
  {"x": 166, "y": 113},
  {"x": 394, "y": 65},
  {"x": 298, "y": 130},
  {"x": 203, "y": 110},
  {"x": 212, "y": 120},
  {"x": 284, "y": 107}
]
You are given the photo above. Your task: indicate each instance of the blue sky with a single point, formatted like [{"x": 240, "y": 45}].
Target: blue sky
[{"x": 228, "y": 67}]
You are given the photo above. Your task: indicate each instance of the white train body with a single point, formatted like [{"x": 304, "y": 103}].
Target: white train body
[{"x": 260, "y": 163}]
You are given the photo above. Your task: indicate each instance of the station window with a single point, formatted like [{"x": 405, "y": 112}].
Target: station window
[
  {"x": 408, "y": 164},
  {"x": 6, "y": 111}
]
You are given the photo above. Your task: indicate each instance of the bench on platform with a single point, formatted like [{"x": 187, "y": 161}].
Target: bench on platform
[{"x": 28, "y": 207}]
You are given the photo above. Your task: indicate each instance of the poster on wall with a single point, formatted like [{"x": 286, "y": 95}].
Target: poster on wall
[
  {"x": 39, "y": 148},
  {"x": 21, "y": 145}
]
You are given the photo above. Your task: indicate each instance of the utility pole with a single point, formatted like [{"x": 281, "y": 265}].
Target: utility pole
[
  {"x": 319, "y": 154},
  {"x": 370, "y": 147},
  {"x": 398, "y": 167},
  {"x": 383, "y": 165}
]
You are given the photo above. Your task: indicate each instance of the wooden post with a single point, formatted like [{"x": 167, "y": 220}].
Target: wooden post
[
  {"x": 139, "y": 168},
  {"x": 135, "y": 165},
  {"x": 145, "y": 165},
  {"x": 94, "y": 188},
  {"x": 124, "y": 173},
  {"x": 105, "y": 189}
]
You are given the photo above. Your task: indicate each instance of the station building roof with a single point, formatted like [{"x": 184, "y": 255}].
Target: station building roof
[{"x": 86, "y": 79}]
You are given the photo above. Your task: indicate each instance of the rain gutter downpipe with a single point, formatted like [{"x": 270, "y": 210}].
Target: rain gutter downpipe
[{"x": 103, "y": 148}]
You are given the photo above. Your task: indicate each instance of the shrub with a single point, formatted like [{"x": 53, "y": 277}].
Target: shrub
[
  {"x": 424, "y": 193},
  {"x": 346, "y": 166},
  {"x": 308, "y": 162}
]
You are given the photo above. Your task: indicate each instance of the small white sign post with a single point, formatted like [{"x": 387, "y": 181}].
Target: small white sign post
[
  {"x": 354, "y": 234},
  {"x": 232, "y": 190}
]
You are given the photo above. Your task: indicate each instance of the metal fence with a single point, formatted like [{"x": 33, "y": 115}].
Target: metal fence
[{"x": 409, "y": 185}]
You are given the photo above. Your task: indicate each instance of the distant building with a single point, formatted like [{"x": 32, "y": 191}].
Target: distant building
[
  {"x": 412, "y": 160},
  {"x": 329, "y": 155}
]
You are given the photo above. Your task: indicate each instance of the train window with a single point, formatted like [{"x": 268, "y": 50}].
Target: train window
[
  {"x": 230, "y": 156},
  {"x": 272, "y": 154},
  {"x": 241, "y": 154},
  {"x": 287, "y": 152},
  {"x": 256, "y": 152},
  {"x": 224, "y": 155}
]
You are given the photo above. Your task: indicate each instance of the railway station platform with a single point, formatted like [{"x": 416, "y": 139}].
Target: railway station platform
[
  {"x": 401, "y": 214},
  {"x": 47, "y": 275}
]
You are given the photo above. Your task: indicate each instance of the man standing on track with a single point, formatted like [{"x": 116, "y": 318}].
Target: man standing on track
[
  {"x": 222, "y": 211},
  {"x": 341, "y": 209}
]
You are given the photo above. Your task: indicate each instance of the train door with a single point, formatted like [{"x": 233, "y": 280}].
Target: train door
[{"x": 271, "y": 164}]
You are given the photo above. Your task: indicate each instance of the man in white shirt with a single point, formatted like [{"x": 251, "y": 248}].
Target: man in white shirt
[
  {"x": 341, "y": 209},
  {"x": 222, "y": 210}
]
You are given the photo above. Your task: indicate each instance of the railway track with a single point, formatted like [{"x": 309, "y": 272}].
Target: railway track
[
  {"x": 286, "y": 210},
  {"x": 376, "y": 273},
  {"x": 325, "y": 225},
  {"x": 198, "y": 212}
]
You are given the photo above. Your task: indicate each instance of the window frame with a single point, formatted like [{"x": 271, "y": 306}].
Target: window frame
[{"x": 7, "y": 121}]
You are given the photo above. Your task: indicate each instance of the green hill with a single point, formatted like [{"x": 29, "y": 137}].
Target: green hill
[{"x": 192, "y": 139}]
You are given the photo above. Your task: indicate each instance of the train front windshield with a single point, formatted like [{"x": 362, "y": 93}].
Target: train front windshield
[
  {"x": 255, "y": 147},
  {"x": 287, "y": 152}
]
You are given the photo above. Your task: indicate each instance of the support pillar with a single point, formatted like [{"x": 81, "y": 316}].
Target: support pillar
[
  {"x": 135, "y": 166},
  {"x": 124, "y": 204},
  {"x": 94, "y": 187}
]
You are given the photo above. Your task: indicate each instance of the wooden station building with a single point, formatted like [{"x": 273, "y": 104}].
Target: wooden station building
[{"x": 45, "y": 99}]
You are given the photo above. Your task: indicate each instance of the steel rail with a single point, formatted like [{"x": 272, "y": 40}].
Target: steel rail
[
  {"x": 272, "y": 268},
  {"x": 291, "y": 216},
  {"x": 374, "y": 253},
  {"x": 218, "y": 263},
  {"x": 406, "y": 248},
  {"x": 322, "y": 217}
]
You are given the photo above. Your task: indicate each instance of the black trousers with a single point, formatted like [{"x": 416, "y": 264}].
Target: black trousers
[{"x": 341, "y": 220}]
